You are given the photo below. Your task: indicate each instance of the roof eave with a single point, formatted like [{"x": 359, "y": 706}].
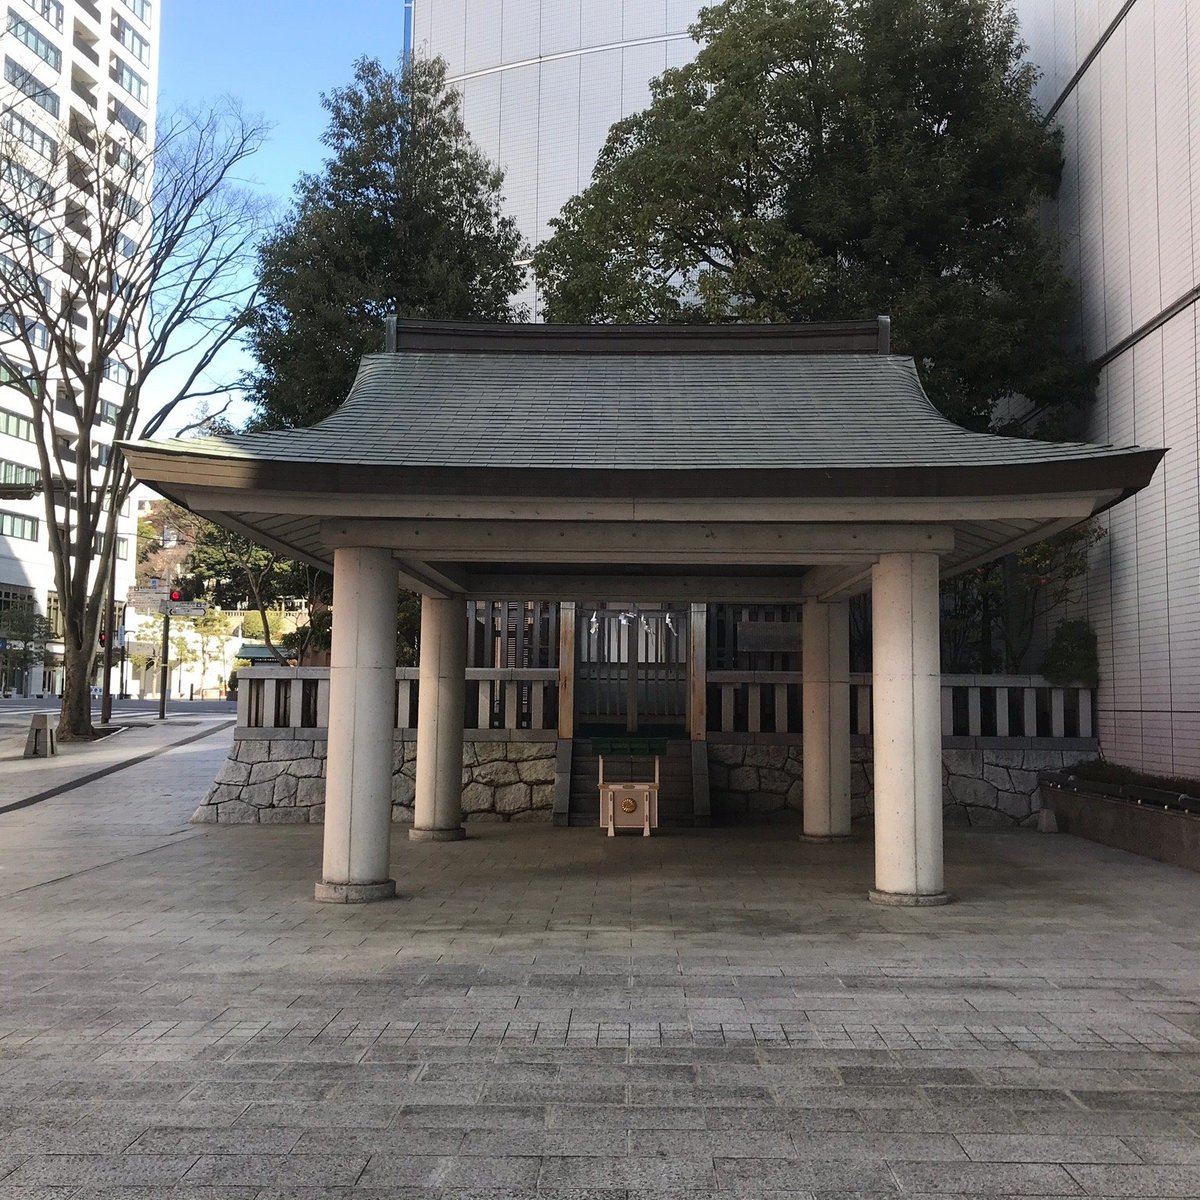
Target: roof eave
[{"x": 164, "y": 468}]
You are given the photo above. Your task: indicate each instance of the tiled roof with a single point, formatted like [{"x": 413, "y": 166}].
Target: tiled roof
[{"x": 638, "y": 412}]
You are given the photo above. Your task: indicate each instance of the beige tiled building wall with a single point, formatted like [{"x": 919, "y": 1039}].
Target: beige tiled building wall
[
  {"x": 1123, "y": 83},
  {"x": 543, "y": 80}
]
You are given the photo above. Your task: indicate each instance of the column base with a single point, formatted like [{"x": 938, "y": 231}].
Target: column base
[
  {"x": 827, "y": 837},
  {"x": 908, "y": 899},
  {"x": 437, "y": 835},
  {"x": 354, "y": 893}
]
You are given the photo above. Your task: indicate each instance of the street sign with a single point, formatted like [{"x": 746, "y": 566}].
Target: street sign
[
  {"x": 182, "y": 608},
  {"x": 145, "y": 599}
]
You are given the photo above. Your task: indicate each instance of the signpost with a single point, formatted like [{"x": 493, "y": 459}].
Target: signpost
[
  {"x": 183, "y": 608},
  {"x": 168, "y": 602},
  {"x": 145, "y": 599}
]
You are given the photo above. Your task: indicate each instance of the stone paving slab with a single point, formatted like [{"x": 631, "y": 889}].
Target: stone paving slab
[{"x": 551, "y": 1014}]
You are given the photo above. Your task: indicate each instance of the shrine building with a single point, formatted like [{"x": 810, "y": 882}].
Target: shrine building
[{"x": 585, "y": 512}]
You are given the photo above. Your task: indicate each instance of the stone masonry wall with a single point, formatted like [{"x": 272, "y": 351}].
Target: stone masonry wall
[
  {"x": 282, "y": 782},
  {"x": 980, "y": 786}
]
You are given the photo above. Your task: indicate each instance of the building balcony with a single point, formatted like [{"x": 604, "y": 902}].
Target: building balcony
[
  {"x": 86, "y": 46},
  {"x": 85, "y": 93}
]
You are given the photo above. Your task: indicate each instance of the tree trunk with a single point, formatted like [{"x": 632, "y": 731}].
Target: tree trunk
[{"x": 75, "y": 719}]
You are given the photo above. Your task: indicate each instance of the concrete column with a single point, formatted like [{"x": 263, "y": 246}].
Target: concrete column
[
  {"x": 441, "y": 697},
  {"x": 362, "y": 707},
  {"x": 908, "y": 731},
  {"x": 826, "y": 721}
]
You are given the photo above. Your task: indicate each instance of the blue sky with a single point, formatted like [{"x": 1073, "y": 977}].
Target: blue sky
[{"x": 276, "y": 57}]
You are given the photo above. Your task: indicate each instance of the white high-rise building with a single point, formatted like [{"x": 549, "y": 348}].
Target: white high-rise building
[
  {"x": 94, "y": 63},
  {"x": 1122, "y": 81},
  {"x": 542, "y": 81}
]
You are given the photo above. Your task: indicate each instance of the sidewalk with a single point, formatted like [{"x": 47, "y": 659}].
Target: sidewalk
[
  {"x": 96, "y": 823},
  {"x": 550, "y": 1014}
]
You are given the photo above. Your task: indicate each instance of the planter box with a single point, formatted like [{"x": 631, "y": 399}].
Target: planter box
[{"x": 1167, "y": 836}]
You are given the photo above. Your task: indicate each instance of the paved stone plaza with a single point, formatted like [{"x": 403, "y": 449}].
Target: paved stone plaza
[{"x": 549, "y": 1012}]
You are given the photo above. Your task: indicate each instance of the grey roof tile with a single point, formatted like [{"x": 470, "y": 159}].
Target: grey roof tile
[{"x": 639, "y": 411}]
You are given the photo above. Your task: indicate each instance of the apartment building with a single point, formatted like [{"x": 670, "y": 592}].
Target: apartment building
[{"x": 65, "y": 62}]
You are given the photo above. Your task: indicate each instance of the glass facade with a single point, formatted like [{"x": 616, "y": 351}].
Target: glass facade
[{"x": 543, "y": 80}]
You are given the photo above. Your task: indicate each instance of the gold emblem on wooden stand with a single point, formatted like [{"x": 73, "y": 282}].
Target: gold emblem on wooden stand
[{"x": 628, "y": 805}]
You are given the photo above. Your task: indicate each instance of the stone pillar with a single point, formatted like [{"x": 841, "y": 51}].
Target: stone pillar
[
  {"x": 362, "y": 707},
  {"x": 908, "y": 731},
  {"x": 437, "y": 816},
  {"x": 826, "y": 664}
]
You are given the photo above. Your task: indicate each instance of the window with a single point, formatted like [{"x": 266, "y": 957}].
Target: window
[
  {"x": 15, "y": 602},
  {"x": 122, "y": 546},
  {"x": 28, "y": 133},
  {"x": 11, "y": 374},
  {"x": 17, "y": 226},
  {"x": 133, "y": 41},
  {"x": 116, "y": 371},
  {"x": 139, "y": 8},
  {"x": 16, "y": 475},
  {"x": 130, "y": 80},
  {"x": 125, "y": 204},
  {"x": 42, "y": 46},
  {"x": 15, "y": 425},
  {"x": 48, "y": 10},
  {"x": 37, "y": 333},
  {"x": 30, "y": 85},
  {"x": 130, "y": 165},
  {"x": 109, "y": 412},
  {"x": 127, "y": 334},
  {"x": 126, "y": 248},
  {"x": 126, "y": 117},
  {"x": 54, "y": 621},
  {"x": 26, "y": 181},
  {"x": 16, "y": 526},
  {"x": 25, "y": 278}
]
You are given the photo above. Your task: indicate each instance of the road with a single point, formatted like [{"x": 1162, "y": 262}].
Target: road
[{"x": 16, "y": 712}]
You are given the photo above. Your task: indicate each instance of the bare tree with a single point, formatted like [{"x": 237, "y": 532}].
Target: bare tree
[{"x": 123, "y": 260}]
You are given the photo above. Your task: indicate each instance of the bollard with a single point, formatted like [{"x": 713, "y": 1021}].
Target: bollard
[{"x": 42, "y": 741}]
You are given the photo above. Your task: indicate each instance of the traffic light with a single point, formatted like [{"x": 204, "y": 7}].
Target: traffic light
[{"x": 176, "y": 595}]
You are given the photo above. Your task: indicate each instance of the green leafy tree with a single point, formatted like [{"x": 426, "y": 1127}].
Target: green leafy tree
[
  {"x": 230, "y": 570},
  {"x": 212, "y": 633},
  {"x": 833, "y": 160},
  {"x": 990, "y": 615},
  {"x": 404, "y": 219}
]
